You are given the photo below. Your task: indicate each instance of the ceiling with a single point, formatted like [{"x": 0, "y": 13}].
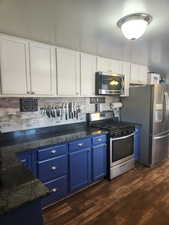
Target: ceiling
[{"x": 90, "y": 26}]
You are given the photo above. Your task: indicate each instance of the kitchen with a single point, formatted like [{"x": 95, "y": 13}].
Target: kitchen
[{"x": 84, "y": 112}]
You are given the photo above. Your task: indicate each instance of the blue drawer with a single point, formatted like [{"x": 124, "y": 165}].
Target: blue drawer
[
  {"x": 52, "y": 151},
  {"x": 53, "y": 168},
  {"x": 79, "y": 144},
  {"x": 99, "y": 139},
  {"x": 58, "y": 189}
]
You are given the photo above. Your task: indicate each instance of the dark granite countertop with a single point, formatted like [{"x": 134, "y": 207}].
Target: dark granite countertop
[{"x": 18, "y": 186}]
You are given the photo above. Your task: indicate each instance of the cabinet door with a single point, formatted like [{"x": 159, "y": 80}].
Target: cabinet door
[
  {"x": 99, "y": 161},
  {"x": 42, "y": 69},
  {"x": 58, "y": 189},
  {"x": 135, "y": 72},
  {"x": 138, "y": 74},
  {"x": 104, "y": 64},
  {"x": 116, "y": 66},
  {"x": 126, "y": 72},
  {"x": 109, "y": 65},
  {"x": 79, "y": 168},
  {"x": 88, "y": 69},
  {"x": 143, "y": 74},
  {"x": 14, "y": 65},
  {"x": 68, "y": 72}
]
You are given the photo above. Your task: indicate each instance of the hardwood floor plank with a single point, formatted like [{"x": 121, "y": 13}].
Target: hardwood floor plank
[{"x": 139, "y": 197}]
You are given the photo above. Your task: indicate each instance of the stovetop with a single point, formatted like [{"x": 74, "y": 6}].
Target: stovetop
[
  {"x": 111, "y": 125},
  {"x": 115, "y": 128}
]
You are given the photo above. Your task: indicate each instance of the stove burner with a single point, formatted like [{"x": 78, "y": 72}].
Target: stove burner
[{"x": 116, "y": 129}]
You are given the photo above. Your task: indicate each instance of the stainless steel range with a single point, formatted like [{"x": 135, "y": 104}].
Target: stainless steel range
[{"x": 121, "y": 142}]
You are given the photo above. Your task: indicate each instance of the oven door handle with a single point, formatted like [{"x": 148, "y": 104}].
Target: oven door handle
[{"x": 120, "y": 138}]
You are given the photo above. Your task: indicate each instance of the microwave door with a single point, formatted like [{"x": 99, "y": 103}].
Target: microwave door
[{"x": 108, "y": 84}]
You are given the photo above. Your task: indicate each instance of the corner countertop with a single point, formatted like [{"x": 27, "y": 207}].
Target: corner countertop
[{"x": 18, "y": 186}]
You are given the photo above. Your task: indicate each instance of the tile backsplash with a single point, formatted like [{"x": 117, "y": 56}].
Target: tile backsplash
[{"x": 11, "y": 119}]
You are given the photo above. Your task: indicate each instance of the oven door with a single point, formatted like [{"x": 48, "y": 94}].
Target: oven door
[{"x": 121, "y": 149}]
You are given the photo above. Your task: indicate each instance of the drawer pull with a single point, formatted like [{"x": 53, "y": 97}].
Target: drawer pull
[
  {"x": 80, "y": 144},
  {"x": 53, "y": 167},
  {"x": 99, "y": 139},
  {"x": 54, "y": 190},
  {"x": 53, "y": 151}
]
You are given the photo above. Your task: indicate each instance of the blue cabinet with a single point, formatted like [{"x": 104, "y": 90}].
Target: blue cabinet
[
  {"x": 99, "y": 161},
  {"x": 58, "y": 189},
  {"x": 51, "y": 152},
  {"x": 79, "y": 168},
  {"x": 137, "y": 143},
  {"x": 66, "y": 168},
  {"x": 50, "y": 169}
]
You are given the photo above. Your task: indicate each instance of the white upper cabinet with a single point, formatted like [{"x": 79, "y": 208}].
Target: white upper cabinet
[
  {"x": 138, "y": 74},
  {"x": 126, "y": 67},
  {"x": 14, "y": 65},
  {"x": 109, "y": 65},
  {"x": 68, "y": 72},
  {"x": 88, "y": 69},
  {"x": 42, "y": 69},
  {"x": 116, "y": 67},
  {"x": 144, "y": 74},
  {"x": 104, "y": 64}
]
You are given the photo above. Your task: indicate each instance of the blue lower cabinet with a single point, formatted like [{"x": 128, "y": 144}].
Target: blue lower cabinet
[
  {"x": 50, "y": 169},
  {"x": 51, "y": 152},
  {"x": 137, "y": 143},
  {"x": 99, "y": 161},
  {"x": 66, "y": 168},
  {"x": 26, "y": 159},
  {"x": 79, "y": 169},
  {"x": 58, "y": 189}
]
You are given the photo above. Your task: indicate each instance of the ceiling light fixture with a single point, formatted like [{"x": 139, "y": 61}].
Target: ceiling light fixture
[{"x": 133, "y": 26}]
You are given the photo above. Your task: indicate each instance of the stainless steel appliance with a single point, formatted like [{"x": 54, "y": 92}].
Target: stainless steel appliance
[
  {"x": 121, "y": 142},
  {"x": 149, "y": 106},
  {"x": 109, "y": 84}
]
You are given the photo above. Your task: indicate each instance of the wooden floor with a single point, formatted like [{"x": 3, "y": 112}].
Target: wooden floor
[{"x": 139, "y": 197}]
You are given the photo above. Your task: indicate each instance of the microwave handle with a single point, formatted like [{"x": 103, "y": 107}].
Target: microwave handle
[{"x": 122, "y": 86}]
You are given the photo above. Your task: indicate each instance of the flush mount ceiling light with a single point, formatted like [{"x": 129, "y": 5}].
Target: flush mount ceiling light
[{"x": 133, "y": 26}]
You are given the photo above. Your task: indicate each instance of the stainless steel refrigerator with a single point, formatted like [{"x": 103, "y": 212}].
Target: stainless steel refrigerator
[{"x": 149, "y": 106}]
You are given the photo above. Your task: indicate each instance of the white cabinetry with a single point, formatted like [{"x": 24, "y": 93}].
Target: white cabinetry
[
  {"x": 138, "y": 74},
  {"x": 87, "y": 71},
  {"x": 14, "y": 65},
  {"x": 68, "y": 72},
  {"x": 42, "y": 69},
  {"x": 126, "y": 72},
  {"x": 109, "y": 65}
]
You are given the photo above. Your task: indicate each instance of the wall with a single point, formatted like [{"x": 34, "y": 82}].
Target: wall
[{"x": 12, "y": 119}]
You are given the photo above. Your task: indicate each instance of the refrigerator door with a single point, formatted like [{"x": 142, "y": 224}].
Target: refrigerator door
[
  {"x": 160, "y": 147},
  {"x": 160, "y": 98}
]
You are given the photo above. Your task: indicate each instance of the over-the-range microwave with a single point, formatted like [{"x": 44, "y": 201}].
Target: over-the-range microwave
[{"x": 109, "y": 83}]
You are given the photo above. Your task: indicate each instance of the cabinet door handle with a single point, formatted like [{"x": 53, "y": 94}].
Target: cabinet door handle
[
  {"x": 80, "y": 144},
  {"x": 32, "y": 93},
  {"x": 28, "y": 92},
  {"x": 53, "y": 151},
  {"x": 53, "y": 167},
  {"x": 54, "y": 189}
]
